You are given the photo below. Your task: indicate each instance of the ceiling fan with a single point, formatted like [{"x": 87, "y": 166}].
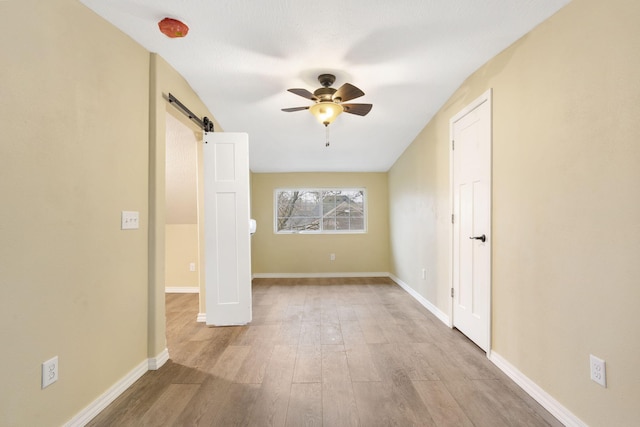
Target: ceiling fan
[{"x": 329, "y": 101}]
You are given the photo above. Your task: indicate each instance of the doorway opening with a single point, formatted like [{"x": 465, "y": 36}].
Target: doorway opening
[{"x": 182, "y": 219}]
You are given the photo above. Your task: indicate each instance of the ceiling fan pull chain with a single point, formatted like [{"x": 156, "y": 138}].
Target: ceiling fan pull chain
[{"x": 326, "y": 144}]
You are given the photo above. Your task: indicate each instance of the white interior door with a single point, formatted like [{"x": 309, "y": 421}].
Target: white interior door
[
  {"x": 471, "y": 177},
  {"x": 227, "y": 239}
]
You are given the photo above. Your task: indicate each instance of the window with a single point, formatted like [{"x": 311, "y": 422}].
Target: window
[{"x": 333, "y": 210}]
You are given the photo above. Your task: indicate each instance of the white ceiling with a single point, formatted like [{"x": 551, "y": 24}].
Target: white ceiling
[{"x": 408, "y": 56}]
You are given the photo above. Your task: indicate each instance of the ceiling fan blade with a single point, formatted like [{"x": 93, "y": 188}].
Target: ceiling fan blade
[
  {"x": 303, "y": 93},
  {"x": 347, "y": 92},
  {"x": 359, "y": 109},
  {"x": 289, "y": 110}
]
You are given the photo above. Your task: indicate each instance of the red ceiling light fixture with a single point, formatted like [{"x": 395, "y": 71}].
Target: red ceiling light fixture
[{"x": 173, "y": 28}]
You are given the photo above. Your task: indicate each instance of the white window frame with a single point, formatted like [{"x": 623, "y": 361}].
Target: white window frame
[{"x": 321, "y": 231}]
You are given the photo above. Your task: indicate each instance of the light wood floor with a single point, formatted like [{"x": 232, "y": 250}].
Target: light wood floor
[{"x": 322, "y": 352}]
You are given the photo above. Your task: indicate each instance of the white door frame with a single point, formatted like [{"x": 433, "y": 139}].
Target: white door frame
[{"x": 485, "y": 97}]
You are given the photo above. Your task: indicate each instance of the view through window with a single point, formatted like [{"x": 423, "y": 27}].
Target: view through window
[{"x": 335, "y": 210}]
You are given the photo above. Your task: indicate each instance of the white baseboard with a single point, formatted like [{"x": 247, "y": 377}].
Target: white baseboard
[
  {"x": 536, "y": 392},
  {"x": 182, "y": 290},
  {"x": 88, "y": 413},
  {"x": 202, "y": 317},
  {"x": 156, "y": 363},
  {"x": 95, "y": 407},
  {"x": 315, "y": 275},
  {"x": 422, "y": 300}
]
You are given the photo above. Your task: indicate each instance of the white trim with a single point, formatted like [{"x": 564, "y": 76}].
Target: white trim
[
  {"x": 313, "y": 275},
  {"x": 182, "y": 290},
  {"x": 202, "y": 318},
  {"x": 156, "y": 363},
  {"x": 95, "y": 407},
  {"x": 556, "y": 409},
  {"x": 422, "y": 300}
]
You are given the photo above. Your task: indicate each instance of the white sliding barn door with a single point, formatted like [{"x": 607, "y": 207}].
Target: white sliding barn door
[{"x": 227, "y": 239}]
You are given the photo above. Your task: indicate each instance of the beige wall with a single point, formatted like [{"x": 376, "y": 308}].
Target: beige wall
[
  {"x": 181, "y": 250},
  {"x": 308, "y": 253},
  {"x": 83, "y": 137},
  {"x": 565, "y": 211},
  {"x": 183, "y": 141},
  {"x": 73, "y": 155}
]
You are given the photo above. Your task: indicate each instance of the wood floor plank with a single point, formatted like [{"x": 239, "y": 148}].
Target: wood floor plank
[
  {"x": 308, "y": 367},
  {"x": 205, "y": 404},
  {"x": 443, "y": 408},
  {"x": 468, "y": 358},
  {"x": 235, "y": 406},
  {"x": 329, "y": 314},
  {"x": 310, "y": 333},
  {"x": 330, "y": 333},
  {"x": 514, "y": 410},
  {"x": 372, "y": 333},
  {"x": 255, "y": 364},
  {"x": 213, "y": 347},
  {"x": 415, "y": 364},
  {"x": 182, "y": 374},
  {"x": 352, "y": 333},
  {"x": 230, "y": 362},
  {"x": 305, "y": 405},
  {"x": 270, "y": 407},
  {"x": 289, "y": 333},
  {"x": 394, "y": 333},
  {"x": 257, "y": 334},
  {"x": 339, "y": 405},
  {"x": 361, "y": 365},
  {"x": 475, "y": 404},
  {"x": 444, "y": 367},
  {"x": 417, "y": 330},
  {"x": 170, "y": 404},
  {"x": 335, "y": 367},
  {"x": 346, "y": 313},
  {"x": 363, "y": 313},
  {"x": 379, "y": 405},
  {"x": 312, "y": 313},
  {"x": 294, "y": 313},
  {"x": 376, "y": 405},
  {"x": 387, "y": 361}
]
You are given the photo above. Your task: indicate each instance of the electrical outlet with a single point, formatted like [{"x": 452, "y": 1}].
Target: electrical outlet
[
  {"x": 424, "y": 274},
  {"x": 192, "y": 266},
  {"x": 49, "y": 372},
  {"x": 598, "y": 370},
  {"x": 332, "y": 257}
]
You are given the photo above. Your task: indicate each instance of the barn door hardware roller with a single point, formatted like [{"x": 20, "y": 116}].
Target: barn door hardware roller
[{"x": 204, "y": 123}]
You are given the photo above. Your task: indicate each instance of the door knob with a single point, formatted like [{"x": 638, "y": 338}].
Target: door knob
[{"x": 482, "y": 238}]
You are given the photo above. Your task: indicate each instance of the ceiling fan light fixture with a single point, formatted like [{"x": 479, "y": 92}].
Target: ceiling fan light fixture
[{"x": 326, "y": 111}]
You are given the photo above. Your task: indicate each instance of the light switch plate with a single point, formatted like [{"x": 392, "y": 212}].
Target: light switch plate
[{"x": 130, "y": 220}]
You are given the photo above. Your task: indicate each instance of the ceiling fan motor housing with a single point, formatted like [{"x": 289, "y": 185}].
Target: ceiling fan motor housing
[{"x": 324, "y": 93}]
